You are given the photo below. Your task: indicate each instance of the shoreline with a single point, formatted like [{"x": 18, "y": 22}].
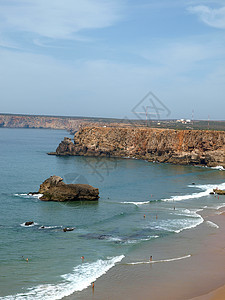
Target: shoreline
[{"x": 199, "y": 277}]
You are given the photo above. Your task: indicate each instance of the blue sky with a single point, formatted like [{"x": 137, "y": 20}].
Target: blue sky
[{"x": 100, "y": 58}]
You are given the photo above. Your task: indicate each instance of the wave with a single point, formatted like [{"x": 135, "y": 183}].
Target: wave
[
  {"x": 49, "y": 227},
  {"x": 81, "y": 277},
  {"x": 211, "y": 224},
  {"x": 177, "y": 225},
  {"x": 220, "y": 212},
  {"x": 37, "y": 196},
  {"x": 135, "y": 203},
  {"x": 141, "y": 240},
  {"x": 206, "y": 189},
  {"x": 159, "y": 261},
  {"x": 220, "y": 168}
]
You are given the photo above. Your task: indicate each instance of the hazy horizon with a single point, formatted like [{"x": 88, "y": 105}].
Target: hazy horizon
[{"x": 101, "y": 58}]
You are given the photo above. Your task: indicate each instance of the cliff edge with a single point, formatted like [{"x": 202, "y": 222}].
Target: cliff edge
[{"x": 195, "y": 147}]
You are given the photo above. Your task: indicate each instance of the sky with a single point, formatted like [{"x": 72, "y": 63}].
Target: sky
[{"x": 113, "y": 58}]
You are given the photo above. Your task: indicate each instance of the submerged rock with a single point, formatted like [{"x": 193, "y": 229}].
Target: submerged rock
[{"x": 54, "y": 189}]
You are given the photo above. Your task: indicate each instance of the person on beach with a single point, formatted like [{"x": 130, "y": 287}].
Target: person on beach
[{"x": 93, "y": 287}]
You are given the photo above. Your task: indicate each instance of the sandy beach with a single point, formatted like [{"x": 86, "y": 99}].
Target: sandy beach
[{"x": 199, "y": 276}]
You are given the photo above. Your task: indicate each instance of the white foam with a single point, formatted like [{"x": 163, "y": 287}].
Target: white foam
[
  {"x": 23, "y": 224},
  {"x": 37, "y": 196},
  {"x": 217, "y": 206},
  {"x": 29, "y": 195},
  {"x": 81, "y": 277},
  {"x": 49, "y": 227},
  {"x": 159, "y": 261},
  {"x": 114, "y": 239},
  {"x": 142, "y": 240},
  {"x": 220, "y": 206},
  {"x": 220, "y": 212},
  {"x": 211, "y": 224},
  {"x": 220, "y": 168},
  {"x": 136, "y": 203},
  {"x": 206, "y": 189},
  {"x": 178, "y": 225}
]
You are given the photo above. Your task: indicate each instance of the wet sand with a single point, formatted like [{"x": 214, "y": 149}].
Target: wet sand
[{"x": 199, "y": 277}]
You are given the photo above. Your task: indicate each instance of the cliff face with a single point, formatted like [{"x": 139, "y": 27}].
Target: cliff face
[
  {"x": 71, "y": 124},
  {"x": 161, "y": 145},
  {"x": 17, "y": 121}
]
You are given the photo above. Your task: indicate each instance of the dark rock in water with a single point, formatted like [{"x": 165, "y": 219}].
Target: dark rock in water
[
  {"x": 32, "y": 193},
  {"x": 219, "y": 192},
  {"x": 68, "y": 229},
  {"x": 211, "y": 193},
  {"x": 54, "y": 189},
  {"x": 29, "y": 223}
]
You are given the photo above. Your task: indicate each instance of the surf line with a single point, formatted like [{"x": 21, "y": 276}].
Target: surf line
[{"x": 158, "y": 261}]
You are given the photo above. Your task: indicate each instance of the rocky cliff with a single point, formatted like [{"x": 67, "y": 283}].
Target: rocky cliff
[
  {"x": 71, "y": 124},
  {"x": 194, "y": 147}
]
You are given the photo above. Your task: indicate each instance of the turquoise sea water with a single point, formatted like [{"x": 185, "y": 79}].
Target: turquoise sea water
[{"x": 105, "y": 231}]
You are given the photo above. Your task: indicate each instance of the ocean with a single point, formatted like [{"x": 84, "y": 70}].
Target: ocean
[{"x": 140, "y": 203}]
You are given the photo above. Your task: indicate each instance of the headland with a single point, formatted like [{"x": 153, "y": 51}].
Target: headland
[{"x": 186, "y": 147}]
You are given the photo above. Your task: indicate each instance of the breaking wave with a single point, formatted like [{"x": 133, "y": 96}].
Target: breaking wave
[{"x": 78, "y": 280}]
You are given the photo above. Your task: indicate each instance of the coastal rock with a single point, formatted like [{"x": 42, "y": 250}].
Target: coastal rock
[
  {"x": 54, "y": 189},
  {"x": 68, "y": 229},
  {"x": 219, "y": 192},
  {"x": 28, "y": 223},
  {"x": 194, "y": 147}
]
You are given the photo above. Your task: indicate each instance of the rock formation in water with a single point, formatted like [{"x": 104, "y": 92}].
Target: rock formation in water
[
  {"x": 195, "y": 147},
  {"x": 54, "y": 189},
  {"x": 219, "y": 192}
]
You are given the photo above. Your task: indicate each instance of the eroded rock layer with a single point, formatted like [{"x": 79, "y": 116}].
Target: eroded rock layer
[{"x": 194, "y": 147}]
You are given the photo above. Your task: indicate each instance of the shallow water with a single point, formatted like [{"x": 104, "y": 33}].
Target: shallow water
[{"x": 105, "y": 231}]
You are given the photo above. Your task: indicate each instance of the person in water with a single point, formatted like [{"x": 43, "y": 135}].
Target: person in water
[
  {"x": 82, "y": 257},
  {"x": 151, "y": 258}
]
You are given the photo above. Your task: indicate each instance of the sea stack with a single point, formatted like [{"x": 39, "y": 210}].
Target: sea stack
[{"x": 54, "y": 189}]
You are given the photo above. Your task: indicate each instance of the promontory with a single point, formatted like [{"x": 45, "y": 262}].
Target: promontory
[{"x": 194, "y": 147}]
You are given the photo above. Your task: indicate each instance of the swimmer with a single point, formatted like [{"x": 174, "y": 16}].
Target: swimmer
[
  {"x": 144, "y": 216},
  {"x": 26, "y": 259},
  {"x": 82, "y": 257}
]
